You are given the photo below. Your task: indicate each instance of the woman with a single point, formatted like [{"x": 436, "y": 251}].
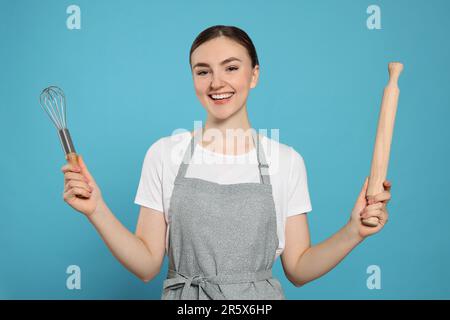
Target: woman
[{"x": 222, "y": 225}]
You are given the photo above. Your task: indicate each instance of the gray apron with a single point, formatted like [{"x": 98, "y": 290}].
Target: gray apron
[{"x": 222, "y": 237}]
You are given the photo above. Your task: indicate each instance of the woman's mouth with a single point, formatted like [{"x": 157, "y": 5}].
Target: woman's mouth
[{"x": 221, "y": 98}]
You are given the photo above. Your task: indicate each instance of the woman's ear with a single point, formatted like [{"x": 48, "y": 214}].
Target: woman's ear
[{"x": 255, "y": 77}]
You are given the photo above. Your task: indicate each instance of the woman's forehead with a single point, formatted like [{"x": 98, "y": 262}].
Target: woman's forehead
[{"x": 218, "y": 50}]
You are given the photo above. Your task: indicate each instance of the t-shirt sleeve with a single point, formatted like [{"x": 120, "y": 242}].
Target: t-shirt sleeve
[
  {"x": 149, "y": 192},
  {"x": 298, "y": 193}
]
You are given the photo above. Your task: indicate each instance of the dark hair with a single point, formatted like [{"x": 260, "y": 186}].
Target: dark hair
[{"x": 234, "y": 33}]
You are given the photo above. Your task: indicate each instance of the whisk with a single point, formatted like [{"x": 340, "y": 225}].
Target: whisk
[{"x": 53, "y": 101}]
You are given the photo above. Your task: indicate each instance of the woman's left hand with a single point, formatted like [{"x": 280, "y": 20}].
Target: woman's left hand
[{"x": 374, "y": 206}]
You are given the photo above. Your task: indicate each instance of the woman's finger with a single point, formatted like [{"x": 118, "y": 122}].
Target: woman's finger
[
  {"x": 74, "y": 176},
  {"x": 382, "y": 196},
  {"x": 375, "y": 206},
  {"x": 79, "y": 192},
  {"x": 84, "y": 169},
  {"x": 373, "y": 213},
  {"x": 381, "y": 215},
  {"x": 67, "y": 195},
  {"x": 77, "y": 184},
  {"x": 69, "y": 168}
]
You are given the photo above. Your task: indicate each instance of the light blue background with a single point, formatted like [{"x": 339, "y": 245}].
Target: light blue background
[{"x": 127, "y": 80}]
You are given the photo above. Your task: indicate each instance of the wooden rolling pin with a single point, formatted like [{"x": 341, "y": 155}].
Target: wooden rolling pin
[{"x": 386, "y": 120}]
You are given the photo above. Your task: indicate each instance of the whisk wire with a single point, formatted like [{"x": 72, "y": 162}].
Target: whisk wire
[
  {"x": 58, "y": 94},
  {"x": 63, "y": 103},
  {"x": 48, "y": 107},
  {"x": 53, "y": 101},
  {"x": 55, "y": 107}
]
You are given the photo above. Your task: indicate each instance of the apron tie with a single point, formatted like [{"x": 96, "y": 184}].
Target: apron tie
[{"x": 205, "y": 283}]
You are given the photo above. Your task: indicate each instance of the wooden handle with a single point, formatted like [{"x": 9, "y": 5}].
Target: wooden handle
[
  {"x": 380, "y": 159},
  {"x": 72, "y": 158}
]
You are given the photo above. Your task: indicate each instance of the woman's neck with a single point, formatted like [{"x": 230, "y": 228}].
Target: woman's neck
[{"x": 229, "y": 136}]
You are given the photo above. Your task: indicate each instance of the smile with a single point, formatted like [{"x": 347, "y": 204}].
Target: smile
[{"x": 221, "y": 98}]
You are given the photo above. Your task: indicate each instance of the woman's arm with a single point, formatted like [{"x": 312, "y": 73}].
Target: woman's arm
[
  {"x": 303, "y": 263},
  {"x": 141, "y": 253}
]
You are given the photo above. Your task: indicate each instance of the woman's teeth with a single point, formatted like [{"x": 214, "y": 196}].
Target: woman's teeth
[{"x": 221, "y": 96}]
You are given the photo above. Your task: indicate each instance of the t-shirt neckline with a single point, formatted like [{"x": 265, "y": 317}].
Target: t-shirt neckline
[{"x": 218, "y": 154}]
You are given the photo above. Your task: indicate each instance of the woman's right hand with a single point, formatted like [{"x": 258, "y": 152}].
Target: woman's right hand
[{"x": 80, "y": 189}]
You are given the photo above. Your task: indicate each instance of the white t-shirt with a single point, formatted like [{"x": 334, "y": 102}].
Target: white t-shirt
[{"x": 286, "y": 169}]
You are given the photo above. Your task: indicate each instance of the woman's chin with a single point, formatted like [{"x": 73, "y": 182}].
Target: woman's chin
[{"x": 221, "y": 114}]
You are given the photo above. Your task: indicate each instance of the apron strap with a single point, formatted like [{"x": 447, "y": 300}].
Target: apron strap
[
  {"x": 262, "y": 164},
  {"x": 263, "y": 167},
  {"x": 188, "y": 155}
]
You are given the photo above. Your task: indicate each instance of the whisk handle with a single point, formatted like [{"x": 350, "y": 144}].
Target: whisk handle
[{"x": 72, "y": 158}]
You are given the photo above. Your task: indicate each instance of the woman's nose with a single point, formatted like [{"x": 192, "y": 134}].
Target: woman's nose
[{"x": 216, "y": 82}]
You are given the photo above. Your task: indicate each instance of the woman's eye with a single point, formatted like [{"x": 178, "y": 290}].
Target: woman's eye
[
  {"x": 202, "y": 73},
  {"x": 232, "y": 68}
]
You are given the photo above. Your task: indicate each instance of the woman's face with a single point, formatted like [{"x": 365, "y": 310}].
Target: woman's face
[{"x": 223, "y": 76}]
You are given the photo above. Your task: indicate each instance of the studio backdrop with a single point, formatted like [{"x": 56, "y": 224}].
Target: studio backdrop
[{"x": 124, "y": 67}]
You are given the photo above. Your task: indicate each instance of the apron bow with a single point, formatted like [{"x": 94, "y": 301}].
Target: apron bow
[
  {"x": 206, "y": 283},
  {"x": 205, "y": 287}
]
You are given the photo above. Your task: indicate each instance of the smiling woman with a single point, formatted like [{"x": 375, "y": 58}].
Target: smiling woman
[{"x": 222, "y": 225}]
